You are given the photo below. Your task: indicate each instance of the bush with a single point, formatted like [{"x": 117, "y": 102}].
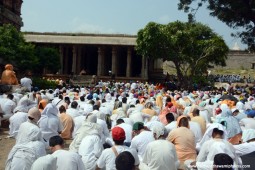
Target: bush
[{"x": 41, "y": 83}]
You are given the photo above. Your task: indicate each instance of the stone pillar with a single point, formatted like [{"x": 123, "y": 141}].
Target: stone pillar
[
  {"x": 74, "y": 59},
  {"x": 114, "y": 61},
  {"x": 142, "y": 67},
  {"x": 99, "y": 61},
  {"x": 146, "y": 68},
  {"x": 129, "y": 61},
  {"x": 61, "y": 54},
  {"x": 144, "y": 71},
  {"x": 79, "y": 59},
  {"x": 66, "y": 52}
]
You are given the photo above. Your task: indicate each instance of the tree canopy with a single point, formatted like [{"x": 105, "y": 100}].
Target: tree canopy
[
  {"x": 192, "y": 47},
  {"x": 25, "y": 56},
  {"x": 15, "y": 50},
  {"x": 48, "y": 59},
  {"x": 236, "y": 14}
]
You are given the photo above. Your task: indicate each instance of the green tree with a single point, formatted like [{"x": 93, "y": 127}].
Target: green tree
[
  {"x": 192, "y": 47},
  {"x": 235, "y": 13},
  {"x": 48, "y": 59},
  {"x": 15, "y": 50}
]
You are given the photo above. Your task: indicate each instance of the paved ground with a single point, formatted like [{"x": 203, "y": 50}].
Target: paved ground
[{"x": 6, "y": 145}]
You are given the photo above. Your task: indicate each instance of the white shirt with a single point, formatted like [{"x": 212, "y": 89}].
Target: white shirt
[
  {"x": 247, "y": 123},
  {"x": 73, "y": 112},
  {"x": 161, "y": 154},
  {"x": 107, "y": 159},
  {"x": 140, "y": 142},
  {"x": 90, "y": 149},
  {"x": 205, "y": 115},
  {"x": 26, "y": 82},
  {"x": 171, "y": 126},
  {"x": 196, "y": 129},
  {"x": 105, "y": 132},
  {"x": 77, "y": 124},
  {"x": 15, "y": 121},
  {"x": 244, "y": 148},
  {"x": 128, "y": 131},
  {"x": 67, "y": 160},
  {"x": 7, "y": 106}
]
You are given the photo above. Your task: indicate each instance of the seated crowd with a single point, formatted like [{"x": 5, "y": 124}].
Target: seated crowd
[{"x": 127, "y": 126}]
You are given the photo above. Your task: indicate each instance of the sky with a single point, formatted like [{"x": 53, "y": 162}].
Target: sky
[{"x": 111, "y": 17}]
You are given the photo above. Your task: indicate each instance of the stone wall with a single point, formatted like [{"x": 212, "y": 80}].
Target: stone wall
[
  {"x": 10, "y": 12},
  {"x": 240, "y": 60}
]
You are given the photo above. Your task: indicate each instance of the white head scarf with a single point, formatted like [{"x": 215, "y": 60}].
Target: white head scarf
[
  {"x": 158, "y": 130},
  {"x": 208, "y": 134}
]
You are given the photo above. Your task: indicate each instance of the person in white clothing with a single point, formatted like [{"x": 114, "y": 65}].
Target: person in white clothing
[
  {"x": 47, "y": 162},
  {"x": 171, "y": 122},
  {"x": 249, "y": 122},
  {"x": 49, "y": 123},
  {"x": 108, "y": 156},
  {"x": 15, "y": 121},
  {"x": 23, "y": 155},
  {"x": 101, "y": 121},
  {"x": 90, "y": 149},
  {"x": 73, "y": 111},
  {"x": 141, "y": 139},
  {"x": 88, "y": 127},
  {"x": 29, "y": 130},
  {"x": 29, "y": 145},
  {"x": 8, "y": 105},
  {"x": 26, "y": 83},
  {"x": 128, "y": 131},
  {"x": 248, "y": 145},
  {"x": 66, "y": 160},
  {"x": 160, "y": 154}
]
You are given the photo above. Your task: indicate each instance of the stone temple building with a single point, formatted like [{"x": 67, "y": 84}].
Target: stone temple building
[
  {"x": 100, "y": 53},
  {"x": 10, "y": 11}
]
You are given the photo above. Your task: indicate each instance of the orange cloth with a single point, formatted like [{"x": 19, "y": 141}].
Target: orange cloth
[
  {"x": 42, "y": 104},
  {"x": 201, "y": 121},
  {"x": 235, "y": 140},
  {"x": 68, "y": 124},
  {"x": 8, "y": 76},
  {"x": 159, "y": 101},
  {"x": 162, "y": 115},
  {"x": 150, "y": 112},
  {"x": 184, "y": 142}
]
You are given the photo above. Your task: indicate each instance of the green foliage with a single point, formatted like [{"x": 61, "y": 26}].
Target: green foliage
[
  {"x": 14, "y": 49},
  {"x": 43, "y": 83},
  {"x": 236, "y": 14},
  {"x": 48, "y": 58},
  {"x": 192, "y": 47}
]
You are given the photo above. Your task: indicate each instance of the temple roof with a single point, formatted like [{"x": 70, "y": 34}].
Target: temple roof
[{"x": 75, "y": 38}]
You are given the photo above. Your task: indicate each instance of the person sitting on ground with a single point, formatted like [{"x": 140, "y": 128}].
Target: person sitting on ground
[
  {"x": 184, "y": 140},
  {"x": 67, "y": 122},
  {"x": 141, "y": 138},
  {"x": 171, "y": 123},
  {"x": 66, "y": 160},
  {"x": 73, "y": 111},
  {"x": 108, "y": 156},
  {"x": 125, "y": 161},
  {"x": 157, "y": 158},
  {"x": 9, "y": 76}
]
